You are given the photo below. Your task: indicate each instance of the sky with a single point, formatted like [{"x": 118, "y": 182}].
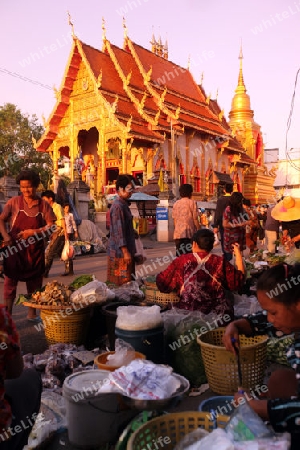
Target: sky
[{"x": 36, "y": 42}]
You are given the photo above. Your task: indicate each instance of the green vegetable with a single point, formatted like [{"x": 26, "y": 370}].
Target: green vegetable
[
  {"x": 185, "y": 357},
  {"x": 277, "y": 348},
  {"x": 80, "y": 281},
  {"x": 26, "y": 297},
  {"x": 22, "y": 298}
]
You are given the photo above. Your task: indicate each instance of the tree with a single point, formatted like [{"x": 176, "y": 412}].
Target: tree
[{"x": 17, "y": 133}]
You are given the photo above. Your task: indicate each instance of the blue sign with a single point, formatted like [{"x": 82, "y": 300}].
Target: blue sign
[{"x": 161, "y": 213}]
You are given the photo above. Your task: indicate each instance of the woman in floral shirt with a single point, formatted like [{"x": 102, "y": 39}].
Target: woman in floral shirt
[
  {"x": 235, "y": 220},
  {"x": 201, "y": 278}
]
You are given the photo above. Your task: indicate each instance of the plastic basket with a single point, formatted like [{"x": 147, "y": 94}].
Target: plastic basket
[
  {"x": 68, "y": 329},
  {"x": 160, "y": 298},
  {"x": 171, "y": 428},
  {"x": 221, "y": 365}
]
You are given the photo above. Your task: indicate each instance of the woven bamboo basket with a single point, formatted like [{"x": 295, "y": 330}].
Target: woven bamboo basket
[
  {"x": 221, "y": 365},
  {"x": 153, "y": 295},
  {"x": 173, "y": 427},
  {"x": 68, "y": 329}
]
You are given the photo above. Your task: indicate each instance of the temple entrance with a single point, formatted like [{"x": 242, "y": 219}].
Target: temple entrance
[
  {"x": 138, "y": 177},
  {"x": 111, "y": 178}
]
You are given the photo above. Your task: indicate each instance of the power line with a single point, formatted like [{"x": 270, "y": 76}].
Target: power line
[
  {"x": 21, "y": 77},
  {"x": 289, "y": 122}
]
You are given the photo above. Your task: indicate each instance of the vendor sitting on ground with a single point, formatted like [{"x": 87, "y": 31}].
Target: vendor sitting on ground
[
  {"x": 202, "y": 278},
  {"x": 278, "y": 292}
]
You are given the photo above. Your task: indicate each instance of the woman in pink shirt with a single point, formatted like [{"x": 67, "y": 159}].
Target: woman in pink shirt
[{"x": 186, "y": 220}]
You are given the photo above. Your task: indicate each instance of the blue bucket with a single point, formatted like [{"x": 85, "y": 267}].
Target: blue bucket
[{"x": 220, "y": 404}]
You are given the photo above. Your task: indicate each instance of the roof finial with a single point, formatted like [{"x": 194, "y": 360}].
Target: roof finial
[
  {"x": 103, "y": 30},
  {"x": 217, "y": 94},
  {"x": 153, "y": 42},
  {"x": 241, "y": 79},
  {"x": 125, "y": 28},
  {"x": 71, "y": 24},
  {"x": 189, "y": 63},
  {"x": 201, "y": 79},
  {"x": 166, "y": 50},
  {"x": 159, "y": 47}
]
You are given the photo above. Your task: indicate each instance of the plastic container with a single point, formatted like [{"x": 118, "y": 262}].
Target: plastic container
[
  {"x": 101, "y": 360},
  {"x": 220, "y": 404},
  {"x": 93, "y": 419},
  {"x": 110, "y": 312},
  {"x": 150, "y": 342}
]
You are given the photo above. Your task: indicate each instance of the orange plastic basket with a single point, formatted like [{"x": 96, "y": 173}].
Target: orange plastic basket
[
  {"x": 102, "y": 359},
  {"x": 221, "y": 365}
]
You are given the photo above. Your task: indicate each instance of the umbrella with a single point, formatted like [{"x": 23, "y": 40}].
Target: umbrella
[{"x": 141, "y": 196}]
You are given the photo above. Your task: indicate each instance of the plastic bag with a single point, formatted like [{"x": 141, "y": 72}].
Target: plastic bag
[
  {"x": 51, "y": 419},
  {"x": 124, "y": 354},
  {"x": 246, "y": 425},
  {"x": 93, "y": 292},
  {"x": 142, "y": 379},
  {"x": 140, "y": 256},
  {"x": 216, "y": 440},
  {"x": 138, "y": 317},
  {"x": 128, "y": 291},
  {"x": 216, "y": 241},
  {"x": 182, "y": 349},
  {"x": 68, "y": 252}
]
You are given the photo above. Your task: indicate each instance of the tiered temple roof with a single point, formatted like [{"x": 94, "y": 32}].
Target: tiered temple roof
[{"x": 150, "y": 94}]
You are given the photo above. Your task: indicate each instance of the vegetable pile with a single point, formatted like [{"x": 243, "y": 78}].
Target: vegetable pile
[
  {"x": 80, "y": 281},
  {"x": 54, "y": 294}
]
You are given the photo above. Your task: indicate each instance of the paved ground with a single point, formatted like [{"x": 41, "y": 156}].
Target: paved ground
[{"x": 33, "y": 341}]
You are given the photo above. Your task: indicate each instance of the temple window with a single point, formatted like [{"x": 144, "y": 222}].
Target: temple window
[{"x": 113, "y": 149}]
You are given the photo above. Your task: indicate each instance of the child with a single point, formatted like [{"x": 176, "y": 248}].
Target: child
[
  {"x": 278, "y": 292},
  {"x": 70, "y": 223}
]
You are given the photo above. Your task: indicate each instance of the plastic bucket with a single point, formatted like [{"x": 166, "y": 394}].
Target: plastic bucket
[
  {"x": 93, "y": 419},
  {"x": 149, "y": 342},
  {"x": 110, "y": 312},
  {"x": 220, "y": 404}
]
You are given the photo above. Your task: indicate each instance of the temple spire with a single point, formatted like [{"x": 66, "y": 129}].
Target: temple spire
[
  {"x": 125, "y": 29},
  {"x": 103, "y": 30},
  {"x": 71, "y": 25},
  {"x": 241, "y": 78}
]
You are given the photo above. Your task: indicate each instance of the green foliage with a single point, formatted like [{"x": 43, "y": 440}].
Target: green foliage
[
  {"x": 17, "y": 133},
  {"x": 80, "y": 281}
]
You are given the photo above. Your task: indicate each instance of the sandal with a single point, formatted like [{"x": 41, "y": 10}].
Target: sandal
[{"x": 36, "y": 319}]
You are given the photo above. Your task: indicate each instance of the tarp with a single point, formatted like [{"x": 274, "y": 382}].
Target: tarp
[{"x": 141, "y": 196}]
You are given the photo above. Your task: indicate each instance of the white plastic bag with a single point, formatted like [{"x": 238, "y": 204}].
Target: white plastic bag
[
  {"x": 68, "y": 252},
  {"x": 216, "y": 241},
  {"x": 93, "y": 292},
  {"x": 138, "y": 317}
]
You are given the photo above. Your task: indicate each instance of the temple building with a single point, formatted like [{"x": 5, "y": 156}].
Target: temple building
[
  {"x": 258, "y": 181},
  {"x": 132, "y": 110}
]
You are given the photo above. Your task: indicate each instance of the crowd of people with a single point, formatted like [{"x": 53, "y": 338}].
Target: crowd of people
[{"x": 203, "y": 279}]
